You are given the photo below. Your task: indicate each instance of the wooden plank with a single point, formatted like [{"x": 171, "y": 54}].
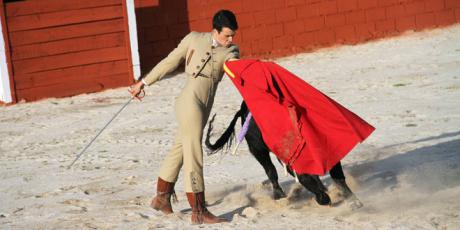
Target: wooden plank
[
  {"x": 69, "y": 60},
  {"x": 72, "y": 88},
  {"x": 68, "y": 46},
  {"x": 55, "y": 76},
  {"x": 65, "y": 32},
  {"x": 35, "y": 21},
  {"x": 52, "y": 77},
  {"x": 34, "y": 7}
]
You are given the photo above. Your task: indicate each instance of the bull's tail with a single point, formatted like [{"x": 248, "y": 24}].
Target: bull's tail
[{"x": 226, "y": 137}]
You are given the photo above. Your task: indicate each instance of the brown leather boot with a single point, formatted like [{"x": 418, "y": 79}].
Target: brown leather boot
[
  {"x": 162, "y": 201},
  {"x": 200, "y": 213}
]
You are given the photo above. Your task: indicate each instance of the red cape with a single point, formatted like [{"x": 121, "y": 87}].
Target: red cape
[{"x": 306, "y": 129}]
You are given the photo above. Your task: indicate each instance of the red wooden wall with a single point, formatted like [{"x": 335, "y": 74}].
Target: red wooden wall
[
  {"x": 161, "y": 24},
  {"x": 62, "y": 48},
  {"x": 273, "y": 28}
]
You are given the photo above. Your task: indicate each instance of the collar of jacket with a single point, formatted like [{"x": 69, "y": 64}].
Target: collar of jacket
[{"x": 214, "y": 43}]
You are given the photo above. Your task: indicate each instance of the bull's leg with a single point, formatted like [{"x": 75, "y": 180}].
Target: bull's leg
[
  {"x": 338, "y": 177},
  {"x": 263, "y": 157},
  {"x": 313, "y": 184}
]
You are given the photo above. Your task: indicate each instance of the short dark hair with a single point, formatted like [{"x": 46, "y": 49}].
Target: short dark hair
[{"x": 224, "y": 18}]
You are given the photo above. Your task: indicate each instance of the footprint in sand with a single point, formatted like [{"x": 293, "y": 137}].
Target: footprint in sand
[
  {"x": 136, "y": 201},
  {"x": 98, "y": 188},
  {"x": 77, "y": 206},
  {"x": 131, "y": 180}
]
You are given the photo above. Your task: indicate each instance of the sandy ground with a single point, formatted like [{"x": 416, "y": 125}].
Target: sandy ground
[{"x": 407, "y": 173}]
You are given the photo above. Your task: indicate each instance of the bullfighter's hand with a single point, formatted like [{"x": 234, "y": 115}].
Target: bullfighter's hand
[{"x": 137, "y": 90}]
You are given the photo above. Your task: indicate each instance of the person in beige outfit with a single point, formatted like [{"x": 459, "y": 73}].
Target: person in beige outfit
[{"x": 204, "y": 55}]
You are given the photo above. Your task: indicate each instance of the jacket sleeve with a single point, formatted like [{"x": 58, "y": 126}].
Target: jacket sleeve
[{"x": 170, "y": 63}]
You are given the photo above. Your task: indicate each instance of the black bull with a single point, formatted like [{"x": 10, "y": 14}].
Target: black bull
[{"x": 260, "y": 151}]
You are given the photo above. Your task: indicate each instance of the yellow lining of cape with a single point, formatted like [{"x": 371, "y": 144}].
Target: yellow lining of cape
[{"x": 228, "y": 71}]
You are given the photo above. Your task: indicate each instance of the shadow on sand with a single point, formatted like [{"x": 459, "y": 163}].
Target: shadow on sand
[{"x": 427, "y": 169}]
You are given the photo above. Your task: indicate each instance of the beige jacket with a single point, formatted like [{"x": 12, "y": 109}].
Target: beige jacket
[{"x": 201, "y": 59}]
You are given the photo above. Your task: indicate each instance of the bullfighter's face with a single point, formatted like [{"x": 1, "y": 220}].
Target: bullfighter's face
[{"x": 224, "y": 37}]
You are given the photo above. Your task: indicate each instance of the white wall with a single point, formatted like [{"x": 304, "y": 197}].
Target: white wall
[
  {"x": 5, "y": 92},
  {"x": 133, "y": 38}
]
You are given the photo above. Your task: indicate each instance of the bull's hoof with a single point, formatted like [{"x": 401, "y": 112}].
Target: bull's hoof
[
  {"x": 278, "y": 194},
  {"x": 323, "y": 199},
  {"x": 354, "y": 203}
]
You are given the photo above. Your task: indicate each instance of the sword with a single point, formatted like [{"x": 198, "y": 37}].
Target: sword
[{"x": 105, "y": 126}]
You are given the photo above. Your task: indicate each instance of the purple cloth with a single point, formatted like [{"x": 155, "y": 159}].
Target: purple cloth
[{"x": 244, "y": 130}]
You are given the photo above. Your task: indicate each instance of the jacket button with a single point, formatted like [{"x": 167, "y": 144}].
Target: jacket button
[
  {"x": 202, "y": 60},
  {"x": 207, "y": 53},
  {"x": 193, "y": 74},
  {"x": 197, "y": 66}
]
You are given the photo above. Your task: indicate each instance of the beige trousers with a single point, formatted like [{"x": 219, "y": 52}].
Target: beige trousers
[{"x": 192, "y": 111}]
